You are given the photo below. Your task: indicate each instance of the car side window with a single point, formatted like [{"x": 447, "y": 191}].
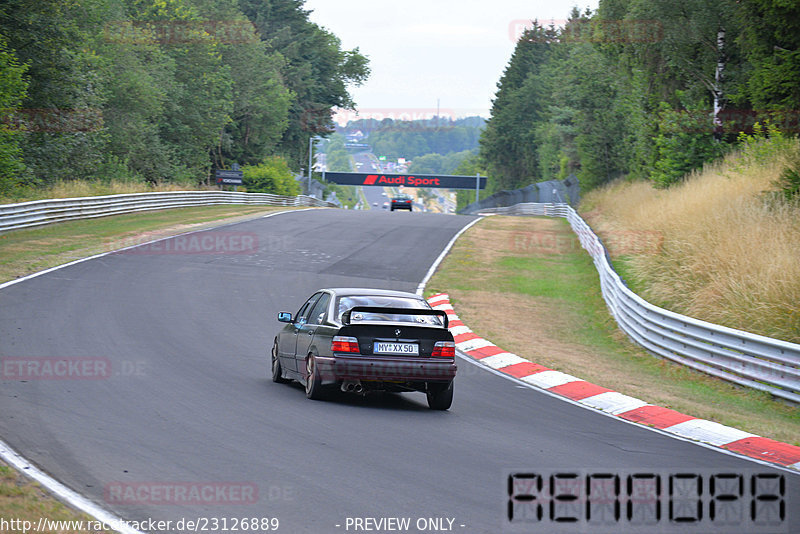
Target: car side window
[
  {"x": 302, "y": 315},
  {"x": 320, "y": 308}
]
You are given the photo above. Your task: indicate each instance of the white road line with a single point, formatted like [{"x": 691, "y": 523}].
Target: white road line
[
  {"x": 421, "y": 286},
  {"x": 22, "y": 465}
]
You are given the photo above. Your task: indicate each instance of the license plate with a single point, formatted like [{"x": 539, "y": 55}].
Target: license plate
[{"x": 395, "y": 348}]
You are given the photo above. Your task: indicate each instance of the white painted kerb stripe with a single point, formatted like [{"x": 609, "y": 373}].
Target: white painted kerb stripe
[
  {"x": 549, "y": 379},
  {"x": 440, "y": 299},
  {"x": 504, "y": 359},
  {"x": 458, "y": 330},
  {"x": 709, "y": 432},
  {"x": 613, "y": 402},
  {"x": 472, "y": 344}
]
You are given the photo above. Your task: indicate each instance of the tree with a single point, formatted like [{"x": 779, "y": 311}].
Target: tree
[
  {"x": 271, "y": 176},
  {"x": 471, "y": 166},
  {"x": 427, "y": 164},
  {"x": 316, "y": 69},
  {"x": 771, "y": 42},
  {"x": 261, "y": 105},
  {"x": 508, "y": 142},
  {"x": 337, "y": 157},
  {"x": 13, "y": 89},
  {"x": 64, "y": 99}
]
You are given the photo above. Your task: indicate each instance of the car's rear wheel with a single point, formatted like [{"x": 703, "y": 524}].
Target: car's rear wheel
[
  {"x": 277, "y": 370},
  {"x": 313, "y": 382},
  {"x": 440, "y": 396}
]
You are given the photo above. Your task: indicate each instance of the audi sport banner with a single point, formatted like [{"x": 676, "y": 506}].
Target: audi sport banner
[{"x": 443, "y": 181}]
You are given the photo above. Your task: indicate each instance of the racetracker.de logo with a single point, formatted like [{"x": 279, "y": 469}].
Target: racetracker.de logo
[
  {"x": 588, "y": 31},
  {"x": 55, "y": 368},
  {"x": 618, "y": 243},
  {"x": 734, "y": 121},
  {"x": 181, "y": 493},
  {"x": 211, "y": 243},
  {"x": 174, "y": 32},
  {"x": 427, "y": 117},
  {"x": 51, "y": 120}
]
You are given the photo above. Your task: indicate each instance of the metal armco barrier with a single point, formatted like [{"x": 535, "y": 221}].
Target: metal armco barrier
[
  {"x": 747, "y": 359},
  {"x": 39, "y": 212}
]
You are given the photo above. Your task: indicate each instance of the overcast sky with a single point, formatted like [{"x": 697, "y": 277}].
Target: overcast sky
[{"x": 423, "y": 50}]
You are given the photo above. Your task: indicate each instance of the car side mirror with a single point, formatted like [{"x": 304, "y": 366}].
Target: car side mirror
[{"x": 285, "y": 317}]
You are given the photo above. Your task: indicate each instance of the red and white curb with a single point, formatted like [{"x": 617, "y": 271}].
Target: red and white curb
[{"x": 612, "y": 402}]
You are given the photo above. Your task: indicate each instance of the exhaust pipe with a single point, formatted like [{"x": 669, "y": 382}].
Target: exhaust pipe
[{"x": 352, "y": 386}]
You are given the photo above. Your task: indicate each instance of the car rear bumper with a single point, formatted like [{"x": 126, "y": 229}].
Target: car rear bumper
[{"x": 385, "y": 369}]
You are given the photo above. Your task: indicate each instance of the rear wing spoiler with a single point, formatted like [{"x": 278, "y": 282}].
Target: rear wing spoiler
[{"x": 395, "y": 311}]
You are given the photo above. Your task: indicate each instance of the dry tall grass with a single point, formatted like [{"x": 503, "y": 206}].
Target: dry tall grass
[
  {"x": 89, "y": 188},
  {"x": 729, "y": 255}
]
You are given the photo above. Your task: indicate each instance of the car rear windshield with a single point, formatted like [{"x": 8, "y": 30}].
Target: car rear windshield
[{"x": 345, "y": 303}]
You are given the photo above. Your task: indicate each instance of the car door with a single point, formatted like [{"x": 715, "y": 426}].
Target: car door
[
  {"x": 305, "y": 334},
  {"x": 287, "y": 343}
]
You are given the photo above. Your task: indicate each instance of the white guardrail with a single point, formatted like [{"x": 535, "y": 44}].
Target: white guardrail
[
  {"x": 747, "y": 359},
  {"x": 39, "y": 212}
]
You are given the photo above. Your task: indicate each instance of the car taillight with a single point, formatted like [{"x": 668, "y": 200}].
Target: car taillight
[
  {"x": 344, "y": 344},
  {"x": 444, "y": 349}
]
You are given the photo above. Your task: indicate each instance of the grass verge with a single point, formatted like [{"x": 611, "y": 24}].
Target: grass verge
[
  {"x": 721, "y": 245},
  {"x": 526, "y": 285},
  {"x": 91, "y": 188},
  {"x": 28, "y": 251},
  {"x": 22, "y": 499}
]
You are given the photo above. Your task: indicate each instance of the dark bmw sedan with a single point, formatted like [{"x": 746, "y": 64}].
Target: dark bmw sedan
[
  {"x": 402, "y": 202},
  {"x": 362, "y": 340}
]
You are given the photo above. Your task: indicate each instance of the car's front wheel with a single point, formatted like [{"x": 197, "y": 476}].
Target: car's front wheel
[
  {"x": 313, "y": 382},
  {"x": 440, "y": 396},
  {"x": 277, "y": 370}
]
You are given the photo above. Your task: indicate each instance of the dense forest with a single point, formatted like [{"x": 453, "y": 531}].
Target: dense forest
[
  {"x": 647, "y": 89},
  {"x": 163, "y": 90},
  {"x": 412, "y": 138}
]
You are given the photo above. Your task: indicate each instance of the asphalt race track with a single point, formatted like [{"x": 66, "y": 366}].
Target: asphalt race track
[{"x": 188, "y": 400}]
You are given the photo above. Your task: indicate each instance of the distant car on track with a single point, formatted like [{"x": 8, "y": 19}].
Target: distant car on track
[
  {"x": 401, "y": 202},
  {"x": 362, "y": 340}
]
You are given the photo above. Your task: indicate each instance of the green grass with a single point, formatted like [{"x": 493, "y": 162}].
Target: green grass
[
  {"x": 27, "y": 251},
  {"x": 589, "y": 344},
  {"x": 22, "y": 499}
]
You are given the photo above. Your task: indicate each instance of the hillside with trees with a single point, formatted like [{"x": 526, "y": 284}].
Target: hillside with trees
[
  {"x": 410, "y": 139},
  {"x": 642, "y": 89},
  {"x": 163, "y": 90}
]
